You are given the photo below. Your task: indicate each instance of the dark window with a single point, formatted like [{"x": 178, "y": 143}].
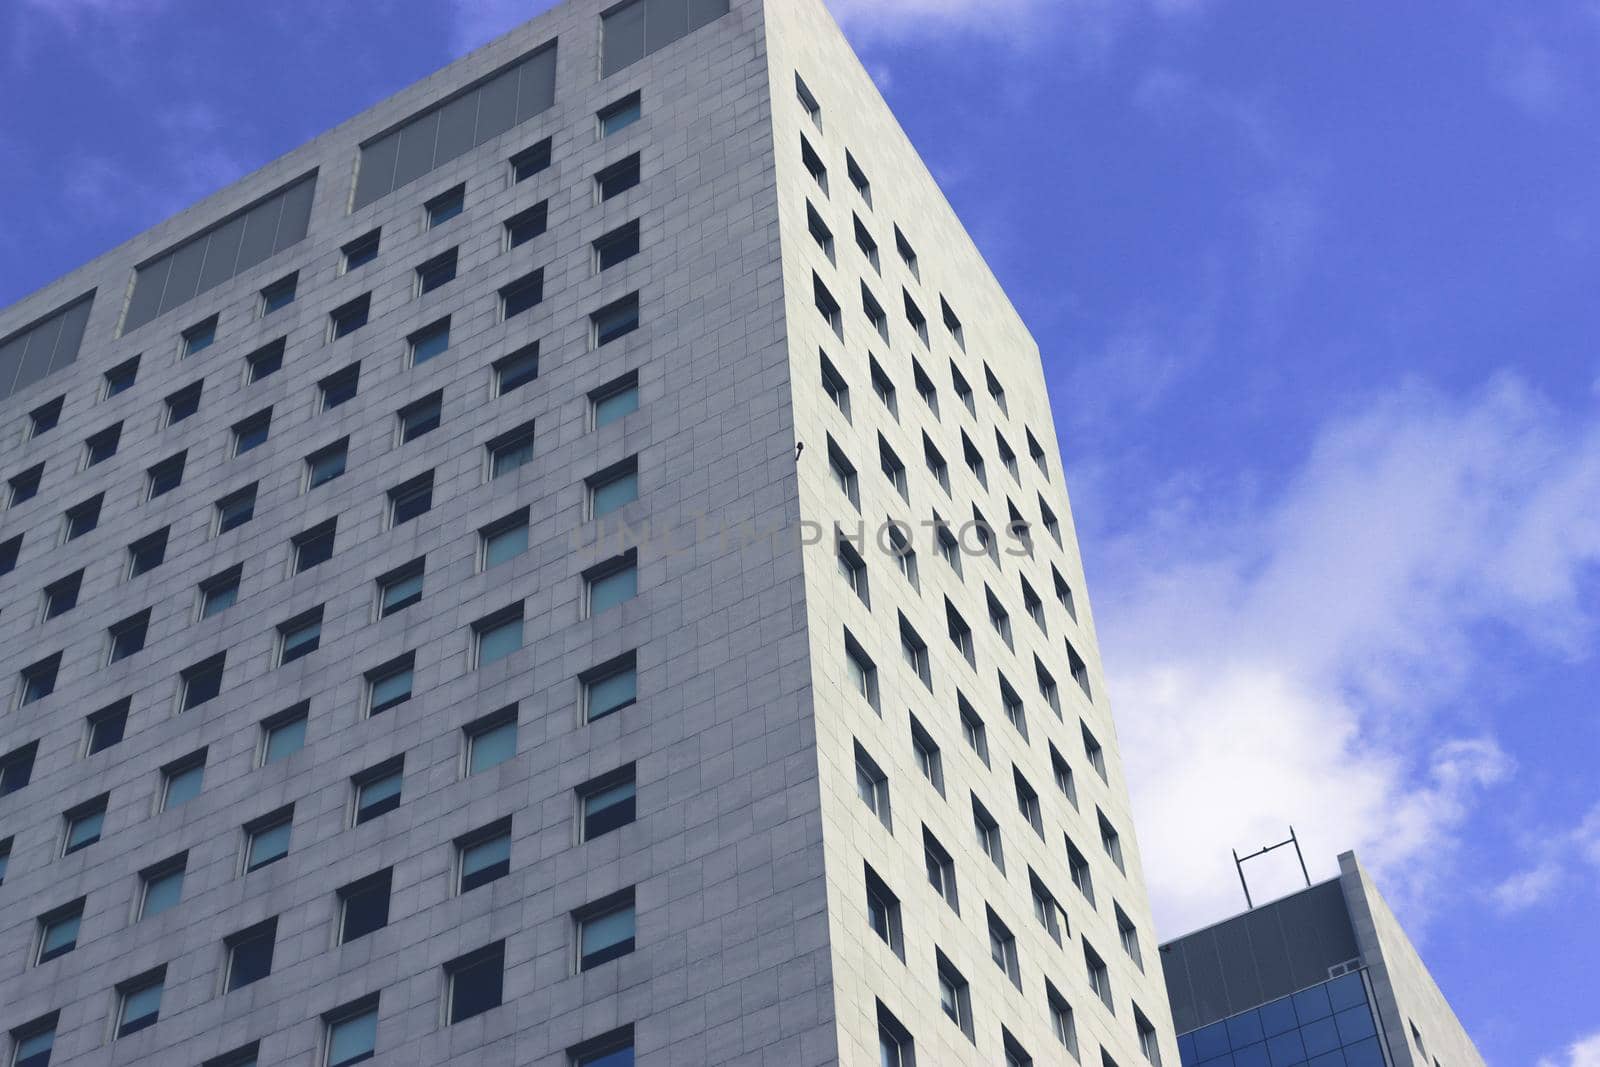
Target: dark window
[
  {"x": 250, "y": 954},
  {"x": 25, "y": 486},
  {"x": 252, "y": 432},
  {"x": 618, "y": 178},
  {"x": 874, "y": 312},
  {"x": 616, "y": 319},
  {"x": 1003, "y": 948},
  {"x": 436, "y": 272},
  {"x": 530, "y": 161},
  {"x": 1099, "y": 976},
  {"x": 953, "y": 324},
  {"x": 300, "y": 636},
  {"x": 929, "y": 760},
  {"x": 614, "y": 400},
  {"x": 84, "y": 517},
  {"x": 120, "y": 378},
  {"x": 919, "y": 323},
  {"x": 819, "y": 231},
  {"x": 39, "y": 679},
  {"x": 447, "y": 205},
  {"x": 203, "y": 681},
  {"x": 239, "y": 1057},
  {"x": 524, "y": 293},
  {"x": 908, "y": 255},
  {"x": 166, "y": 475},
  {"x": 340, "y": 387},
  {"x": 200, "y": 336},
  {"x": 895, "y": 1047},
  {"x": 410, "y": 499},
  {"x": 620, "y": 115},
  {"x": 868, "y": 246},
  {"x": 34, "y": 1043},
  {"x": 399, "y": 589},
  {"x": 988, "y": 830},
  {"x": 378, "y": 790},
  {"x": 236, "y": 509},
  {"x": 431, "y": 341},
  {"x": 16, "y": 768},
  {"x": 955, "y": 995},
  {"x": 858, "y": 178},
  {"x": 220, "y": 592},
  {"x": 510, "y": 450},
  {"x": 517, "y": 369},
  {"x": 390, "y": 685},
  {"x": 826, "y": 305},
  {"x": 183, "y": 403},
  {"x": 364, "y": 906},
  {"x": 503, "y": 539},
  {"x": 525, "y": 225},
  {"x": 808, "y": 101},
  {"x": 346, "y": 319},
  {"x": 44, "y": 417},
  {"x": 61, "y": 596},
  {"x": 361, "y": 251},
  {"x": 280, "y": 294},
  {"x": 267, "y": 839},
  {"x": 484, "y": 855},
  {"x": 607, "y": 803},
  {"x": 476, "y": 981},
  {"x": 814, "y": 164},
  {"x": 84, "y": 825},
  {"x": 128, "y": 636},
  {"x": 324, "y": 465},
  {"x": 883, "y": 913},
  {"x": 620, "y": 244},
  {"x": 925, "y": 388},
  {"x": 314, "y": 546},
  {"x": 941, "y": 869},
  {"x": 420, "y": 417},
  {"x": 834, "y": 384},
  {"x": 606, "y": 930},
  {"x": 1062, "y": 771},
  {"x": 107, "y": 725},
  {"x": 265, "y": 360},
  {"x": 139, "y": 1003}
]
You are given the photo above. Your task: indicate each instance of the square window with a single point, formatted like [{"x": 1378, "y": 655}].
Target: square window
[
  {"x": 526, "y": 224},
  {"x": 530, "y": 161},
  {"x": 619, "y": 245},
  {"x": 250, "y": 955},
  {"x": 511, "y": 450},
  {"x": 202, "y": 682},
  {"x": 314, "y": 546},
  {"x": 430, "y": 342},
  {"x": 614, "y": 401},
  {"x": 420, "y": 417},
  {"x": 267, "y": 839},
  {"x": 497, "y": 637},
  {"x": 83, "y": 518},
  {"x": 610, "y": 583},
  {"x": 352, "y": 1034},
  {"x": 410, "y": 499},
  {"x": 617, "y": 178},
  {"x": 25, "y": 486},
  {"x": 120, "y": 379},
  {"x": 326, "y": 464},
  {"x": 610, "y": 687},
  {"x": 615, "y": 487},
  {"x": 200, "y": 336},
  {"x": 619, "y": 115},
  {"x": 264, "y": 361},
  {"x": 181, "y": 781},
  {"x": 284, "y": 734},
  {"x": 517, "y": 369},
  {"x": 279, "y": 295},
  {"x": 378, "y": 790},
  {"x": 524, "y": 293},
  {"x": 883, "y": 913},
  {"x": 491, "y": 740},
  {"x": 128, "y": 636},
  {"x": 236, "y": 509},
  {"x": 346, "y": 319},
  {"x": 503, "y": 539},
  {"x": 107, "y": 726},
  {"x": 219, "y": 593},
  {"x": 606, "y": 803},
  {"x": 476, "y": 982},
  {"x": 605, "y": 930},
  {"x": 16, "y": 768},
  {"x": 340, "y": 388},
  {"x": 39, "y": 679},
  {"x": 60, "y": 931},
  {"x": 446, "y": 206},
  {"x": 1016, "y": 1055},
  {"x": 61, "y": 596},
  {"x": 161, "y": 886},
  {"x": 361, "y": 251},
  {"x": 165, "y": 476},
  {"x": 84, "y": 824},
  {"x": 44, "y": 418},
  {"x": 617, "y": 319},
  {"x": 484, "y": 856},
  {"x": 436, "y": 272},
  {"x": 400, "y": 588},
  {"x": 364, "y": 906},
  {"x": 390, "y": 685},
  {"x": 139, "y": 1003},
  {"x": 147, "y": 553}
]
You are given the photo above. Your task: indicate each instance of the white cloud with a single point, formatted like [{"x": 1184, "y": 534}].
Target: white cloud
[
  {"x": 1584, "y": 1052},
  {"x": 1558, "y": 860},
  {"x": 1308, "y": 655}
]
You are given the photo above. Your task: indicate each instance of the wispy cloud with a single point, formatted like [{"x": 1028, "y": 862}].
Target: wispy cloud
[
  {"x": 1584, "y": 1052},
  {"x": 1560, "y": 859},
  {"x": 1300, "y": 655}
]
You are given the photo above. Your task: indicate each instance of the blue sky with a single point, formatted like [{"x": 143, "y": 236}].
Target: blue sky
[{"x": 1315, "y": 288}]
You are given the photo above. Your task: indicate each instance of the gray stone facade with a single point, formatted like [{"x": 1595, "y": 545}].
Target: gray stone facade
[{"x": 747, "y": 857}]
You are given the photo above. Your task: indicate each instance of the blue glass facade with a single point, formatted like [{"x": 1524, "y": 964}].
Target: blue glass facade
[{"x": 1327, "y": 1025}]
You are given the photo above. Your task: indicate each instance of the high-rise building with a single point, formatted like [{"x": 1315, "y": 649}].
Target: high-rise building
[
  {"x": 1323, "y": 978},
  {"x": 351, "y": 710}
]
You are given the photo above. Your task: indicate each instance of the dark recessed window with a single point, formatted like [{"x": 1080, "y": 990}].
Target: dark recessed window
[
  {"x": 530, "y": 161},
  {"x": 524, "y": 226},
  {"x": 420, "y": 417},
  {"x": 378, "y": 790},
  {"x": 314, "y": 546},
  {"x": 84, "y": 517},
  {"x": 265, "y": 360},
  {"x": 522, "y": 294},
  {"x": 348, "y": 318},
  {"x": 609, "y": 1050},
  {"x": 361, "y": 251},
  {"x": 200, "y": 336},
  {"x": 819, "y": 231},
  {"x": 605, "y": 930},
  {"x": 250, "y": 954},
  {"x": 219, "y": 592},
  {"x": 166, "y": 476},
  {"x": 341, "y": 387},
  {"x": 236, "y": 509},
  {"x": 364, "y": 906},
  {"x": 326, "y": 464},
  {"x": 431, "y": 341},
  {"x": 615, "y": 320},
  {"x": 120, "y": 379},
  {"x": 510, "y": 451},
  {"x": 251, "y": 433},
  {"x": 147, "y": 553},
  {"x": 620, "y": 244},
  {"x": 139, "y": 1003},
  {"x": 39, "y": 679},
  {"x": 615, "y": 487},
  {"x": 814, "y": 165},
  {"x": 606, "y": 803},
  {"x": 492, "y": 740},
  {"x": 620, "y": 115},
  {"x": 399, "y": 589},
  {"x": 280, "y": 294},
  {"x": 284, "y": 734},
  {"x": 183, "y": 403},
  {"x": 300, "y": 636},
  {"x": 618, "y": 178},
  {"x": 610, "y": 687},
  {"x": 44, "y": 417},
  {"x": 476, "y": 981},
  {"x": 16, "y": 768},
  {"x": 84, "y": 824},
  {"x": 497, "y": 636},
  {"x": 34, "y": 1043},
  {"x": 436, "y": 272},
  {"x": 107, "y": 726},
  {"x": 25, "y": 486},
  {"x": 446, "y": 206},
  {"x": 484, "y": 856},
  {"x": 826, "y": 305},
  {"x": 410, "y": 499},
  {"x": 503, "y": 539},
  {"x": 517, "y": 369},
  {"x": 203, "y": 681},
  {"x": 390, "y": 685},
  {"x": 61, "y": 596},
  {"x": 128, "y": 636},
  {"x": 610, "y": 583},
  {"x": 352, "y": 1033},
  {"x": 858, "y": 178}
]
